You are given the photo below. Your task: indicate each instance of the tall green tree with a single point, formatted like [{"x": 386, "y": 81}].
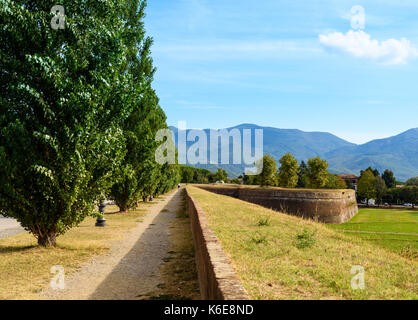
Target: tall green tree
[
  {"x": 170, "y": 174},
  {"x": 63, "y": 95},
  {"x": 221, "y": 175},
  {"x": 335, "y": 182},
  {"x": 288, "y": 171},
  {"x": 318, "y": 172},
  {"x": 187, "y": 174},
  {"x": 250, "y": 179},
  {"x": 374, "y": 171},
  {"x": 303, "y": 175},
  {"x": 381, "y": 189},
  {"x": 410, "y": 194},
  {"x": 389, "y": 178},
  {"x": 143, "y": 172},
  {"x": 194, "y": 175},
  {"x": 267, "y": 177},
  {"x": 201, "y": 175},
  {"x": 367, "y": 186},
  {"x": 140, "y": 175},
  {"x": 412, "y": 182}
]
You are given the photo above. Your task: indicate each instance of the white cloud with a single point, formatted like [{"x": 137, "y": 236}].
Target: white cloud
[{"x": 360, "y": 45}]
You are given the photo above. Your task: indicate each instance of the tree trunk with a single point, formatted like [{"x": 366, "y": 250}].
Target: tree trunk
[
  {"x": 123, "y": 207},
  {"x": 49, "y": 239}
]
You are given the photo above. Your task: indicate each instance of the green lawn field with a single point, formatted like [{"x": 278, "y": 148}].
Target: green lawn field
[
  {"x": 279, "y": 256},
  {"x": 396, "y": 229}
]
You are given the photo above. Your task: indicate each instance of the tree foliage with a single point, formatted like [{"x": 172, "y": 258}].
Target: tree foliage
[
  {"x": 381, "y": 189},
  {"x": 250, "y": 179},
  {"x": 407, "y": 194},
  {"x": 221, "y": 175},
  {"x": 410, "y": 194},
  {"x": 375, "y": 172},
  {"x": 335, "y": 182},
  {"x": 303, "y": 172},
  {"x": 63, "y": 95},
  {"x": 318, "y": 172},
  {"x": 412, "y": 182},
  {"x": 267, "y": 177},
  {"x": 367, "y": 185},
  {"x": 195, "y": 175},
  {"x": 288, "y": 171},
  {"x": 140, "y": 175},
  {"x": 76, "y": 110},
  {"x": 389, "y": 178}
]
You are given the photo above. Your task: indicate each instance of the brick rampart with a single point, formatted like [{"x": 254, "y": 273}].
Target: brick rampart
[
  {"x": 327, "y": 206},
  {"x": 217, "y": 278}
]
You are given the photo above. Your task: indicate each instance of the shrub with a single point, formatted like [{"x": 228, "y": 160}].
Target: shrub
[
  {"x": 305, "y": 239},
  {"x": 264, "y": 222},
  {"x": 259, "y": 239}
]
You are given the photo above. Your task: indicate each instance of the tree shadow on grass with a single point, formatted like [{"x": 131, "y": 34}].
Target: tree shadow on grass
[{"x": 13, "y": 249}]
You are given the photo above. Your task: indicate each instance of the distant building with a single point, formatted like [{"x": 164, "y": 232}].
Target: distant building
[{"x": 350, "y": 179}]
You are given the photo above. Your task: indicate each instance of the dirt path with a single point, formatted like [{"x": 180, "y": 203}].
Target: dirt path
[{"x": 135, "y": 268}]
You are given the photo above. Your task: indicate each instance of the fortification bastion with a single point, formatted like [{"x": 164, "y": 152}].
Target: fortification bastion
[{"x": 327, "y": 206}]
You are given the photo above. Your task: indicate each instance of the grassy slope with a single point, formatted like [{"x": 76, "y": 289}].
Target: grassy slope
[
  {"x": 384, "y": 220},
  {"x": 25, "y": 267},
  {"x": 277, "y": 269}
]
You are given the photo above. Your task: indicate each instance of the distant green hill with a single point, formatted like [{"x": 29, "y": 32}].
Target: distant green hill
[{"x": 398, "y": 153}]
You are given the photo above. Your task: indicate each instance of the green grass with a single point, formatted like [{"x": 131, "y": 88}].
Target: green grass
[
  {"x": 292, "y": 258},
  {"x": 383, "y": 220},
  {"x": 386, "y": 228}
]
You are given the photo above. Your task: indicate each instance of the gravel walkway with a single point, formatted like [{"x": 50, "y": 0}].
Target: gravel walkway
[
  {"x": 131, "y": 269},
  {"x": 9, "y": 227}
]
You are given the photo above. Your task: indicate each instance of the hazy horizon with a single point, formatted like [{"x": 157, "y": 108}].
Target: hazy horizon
[{"x": 256, "y": 124}]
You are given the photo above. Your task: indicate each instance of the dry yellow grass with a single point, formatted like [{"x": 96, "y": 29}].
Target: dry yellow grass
[
  {"x": 272, "y": 265},
  {"x": 25, "y": 267}
]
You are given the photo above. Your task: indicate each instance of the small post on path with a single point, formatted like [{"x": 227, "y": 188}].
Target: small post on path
[{"x": 101, "y": 221}]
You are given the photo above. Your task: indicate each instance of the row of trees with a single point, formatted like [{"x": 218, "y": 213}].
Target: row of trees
[
  {"x": 315, "y": 174},
  {"x": 78, "y": 114},
  {"x": 383, "y": 188},
  {"x": 291, "y": 174},
  {"x": 199, "y": 175}
]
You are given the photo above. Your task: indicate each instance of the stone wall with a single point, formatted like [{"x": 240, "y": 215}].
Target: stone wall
[
  {"x": 217, "y": 278},
  {"x": 327, "y": 206}
]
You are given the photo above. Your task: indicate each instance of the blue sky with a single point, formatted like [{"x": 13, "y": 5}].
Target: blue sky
[{"x": 288, "y": 64}]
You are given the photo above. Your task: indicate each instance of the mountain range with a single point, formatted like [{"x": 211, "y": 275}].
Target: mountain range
[{"x": 398, "y": 153}]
